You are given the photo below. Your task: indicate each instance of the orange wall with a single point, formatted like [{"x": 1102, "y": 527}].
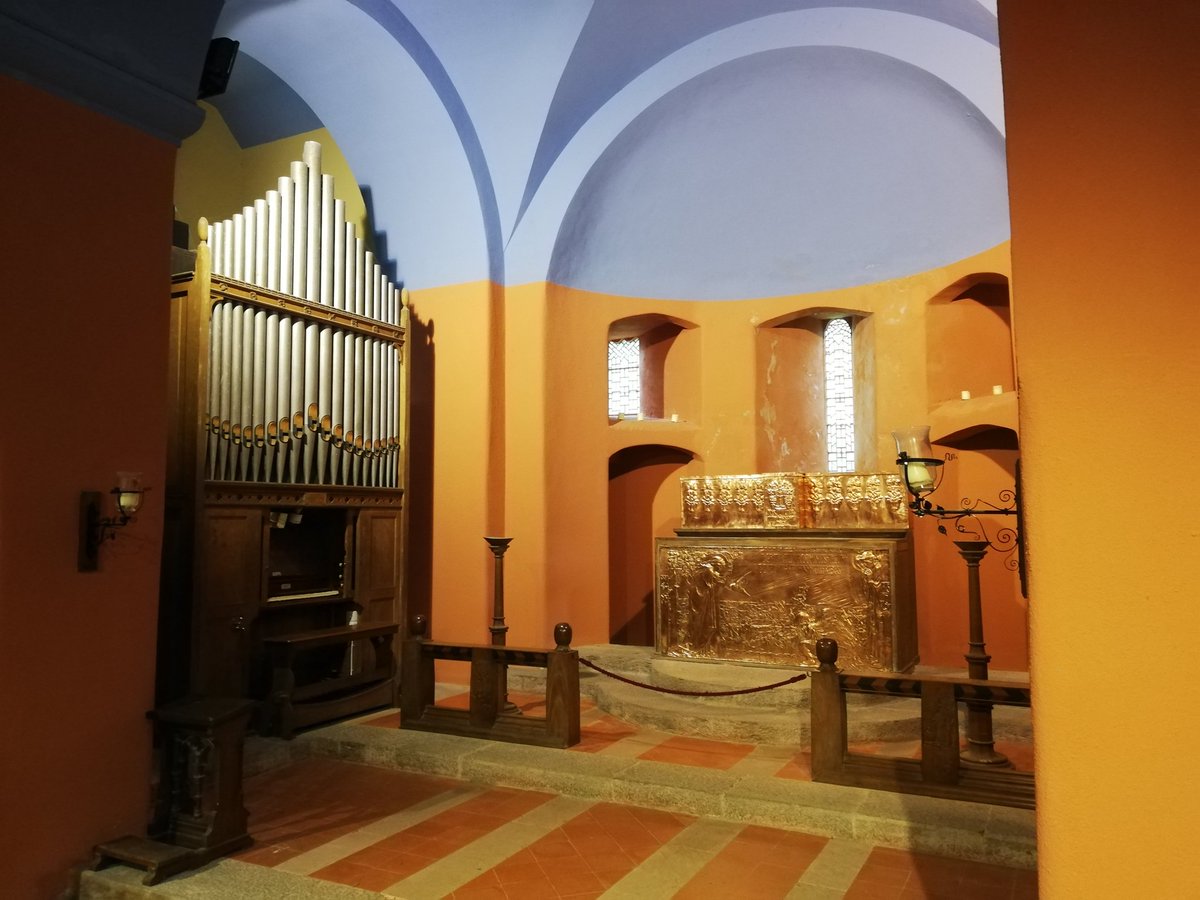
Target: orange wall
[
  {"x": 552, "y": 470},
  {"x": 85, "y": 234},
  {"x": 1104, "y": 192},
  {"x": 452, "y": 396}
]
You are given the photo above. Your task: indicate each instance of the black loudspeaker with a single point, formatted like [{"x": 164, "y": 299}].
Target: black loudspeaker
[{"x": 218, "y": 66}]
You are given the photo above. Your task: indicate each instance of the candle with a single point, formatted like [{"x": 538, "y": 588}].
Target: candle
[
  {"x": 674, "y": 417},
  {"x": 997, "y": 389},
  {"x": 918, "y": 475},
  {"x": 966, "y": 395}
]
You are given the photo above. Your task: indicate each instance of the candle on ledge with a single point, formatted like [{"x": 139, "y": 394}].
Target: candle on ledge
[
  {"x": 674, "y": 417},
  {"x": 997, "y": 389},
  {"x": 966, "y": 395}
]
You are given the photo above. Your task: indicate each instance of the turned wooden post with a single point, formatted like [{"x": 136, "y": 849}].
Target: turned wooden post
[
  {"x": 562, "y": 688},
  {"x": 416, "y": 673},
  {"x": 498, "y": 628},
  {"x": 980, "y": 749},
  {"x": 827, "y": 713}
]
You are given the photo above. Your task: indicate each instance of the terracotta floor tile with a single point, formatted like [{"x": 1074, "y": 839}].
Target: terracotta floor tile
[
  {"x": 599, "y": 735},
  {"x": 860, "y": 890},
  {"x": 1019, "y": 754},
  {"x": 481, "y": 888},
  {"x": 573, "y": 880},
  {"x": 611, "y": 874},
  {"x": 509, "y": 873},
  {"x": 896, "y": 859},
  {"x": 879, "y": 874},
  {"x": 355, "y": 875},
  {"x": 690, "y": 751},
  {"x": 798, "y": 768},
  {"x": 387, "y": 720}
]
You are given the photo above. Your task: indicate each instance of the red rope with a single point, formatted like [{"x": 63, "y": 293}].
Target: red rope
[{"x": 663, "y": 690}]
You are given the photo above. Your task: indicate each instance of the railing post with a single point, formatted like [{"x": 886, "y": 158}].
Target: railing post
[
  {"x": 485, "y": 696},
  {"x": 416, "y": 674},
  {"x": 939, "y": 733},
  {"x": 827, "y": 712},
  {"x": 562, "y": 688}
]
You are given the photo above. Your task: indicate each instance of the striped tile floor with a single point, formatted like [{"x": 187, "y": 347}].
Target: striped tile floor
[{"x": 410, "y": 835}]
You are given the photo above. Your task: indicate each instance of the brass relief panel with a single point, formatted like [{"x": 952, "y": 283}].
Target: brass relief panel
[
  {"x": 769, "y": 600},
  {"x": 794, "y": 501}
]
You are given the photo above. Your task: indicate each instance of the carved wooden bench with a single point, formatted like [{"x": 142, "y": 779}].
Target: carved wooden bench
[{"x": 296, "y": 705}]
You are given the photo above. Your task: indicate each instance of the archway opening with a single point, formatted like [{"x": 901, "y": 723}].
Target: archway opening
[{"x": 637, "y": 477}]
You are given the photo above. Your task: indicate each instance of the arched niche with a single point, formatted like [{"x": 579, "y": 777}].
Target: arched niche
[
  {"x": 643, "y": 503},
  {"x": 670, "y": 364},
  {"x": 790, "y": 391},
  {"x": 969, "y": 339},
  {"x": 970, "y": 373}
]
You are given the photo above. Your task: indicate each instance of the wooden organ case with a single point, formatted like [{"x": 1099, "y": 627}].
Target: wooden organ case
[{"x": 284, "y": 533}]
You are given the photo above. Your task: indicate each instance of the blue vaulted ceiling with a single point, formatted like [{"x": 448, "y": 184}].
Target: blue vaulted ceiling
[{"x": 692, "y": 149}]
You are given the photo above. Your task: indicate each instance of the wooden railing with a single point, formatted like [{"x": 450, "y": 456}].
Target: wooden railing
[
  {"x": 939, "y": 771},
  {"x": 487, "y": 717}
]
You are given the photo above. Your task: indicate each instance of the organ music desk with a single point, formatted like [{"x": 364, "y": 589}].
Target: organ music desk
[{"x": 764, "y": 565}]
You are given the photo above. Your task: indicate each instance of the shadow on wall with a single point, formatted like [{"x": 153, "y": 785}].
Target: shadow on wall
[{"x": 635, "y": 475}]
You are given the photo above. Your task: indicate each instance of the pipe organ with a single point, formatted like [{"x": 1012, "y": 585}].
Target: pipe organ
[
  {"x": 304, "y": 343},
  {"x": 284, "y": 538}
]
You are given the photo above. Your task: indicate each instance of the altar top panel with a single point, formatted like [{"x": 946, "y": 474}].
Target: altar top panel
[{"x": 794, "y": 501}]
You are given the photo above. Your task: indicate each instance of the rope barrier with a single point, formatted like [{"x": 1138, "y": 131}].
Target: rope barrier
[{"x": 663, "y": 690}]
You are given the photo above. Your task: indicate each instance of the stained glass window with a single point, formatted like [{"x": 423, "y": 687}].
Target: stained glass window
[
  {"x": 839, "y": 396},
  {"x": 624, "y": 377}
]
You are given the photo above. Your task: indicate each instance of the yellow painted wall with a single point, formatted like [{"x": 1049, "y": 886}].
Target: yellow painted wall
[
  {"x": 1105, "y": 190},
  {"x": 215, "y": 178}
]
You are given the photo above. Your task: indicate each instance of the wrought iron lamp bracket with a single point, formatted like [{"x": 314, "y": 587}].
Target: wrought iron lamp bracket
[{"x": 966, "y": 519}]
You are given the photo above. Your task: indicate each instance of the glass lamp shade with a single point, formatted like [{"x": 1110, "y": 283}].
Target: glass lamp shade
[
  {"x": 129, "y": 493},
  {"x": 916, "y": 458}
]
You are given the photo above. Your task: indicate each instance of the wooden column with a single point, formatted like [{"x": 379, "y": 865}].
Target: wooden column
[
  {"x": 498, "y": 628},
  {"x": 980, "y": 748}
]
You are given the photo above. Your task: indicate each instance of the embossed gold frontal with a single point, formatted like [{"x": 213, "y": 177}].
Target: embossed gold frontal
[{"x": 769, "y": 601}]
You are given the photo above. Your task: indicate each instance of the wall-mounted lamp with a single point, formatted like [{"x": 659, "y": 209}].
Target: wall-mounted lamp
[
  {"x": 94, "y": 529},
  {"x": 923, "y": 475}
]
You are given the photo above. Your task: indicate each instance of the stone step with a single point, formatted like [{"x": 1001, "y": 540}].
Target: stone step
[{"x": 224, "y": 879}]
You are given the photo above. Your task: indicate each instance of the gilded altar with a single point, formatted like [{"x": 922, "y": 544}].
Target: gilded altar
[{"x": 764, "y": 565}]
